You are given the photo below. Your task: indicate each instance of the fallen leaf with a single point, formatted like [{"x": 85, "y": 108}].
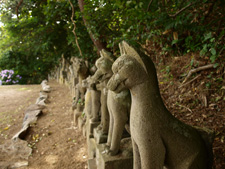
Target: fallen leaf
[
  {"x": 204, "y": 116},
  {"x": 175, "y": 35},
  {"x": 6, "y": 128}
]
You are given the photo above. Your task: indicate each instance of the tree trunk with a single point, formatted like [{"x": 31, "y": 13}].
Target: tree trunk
[{"x": 99, "y": 45}]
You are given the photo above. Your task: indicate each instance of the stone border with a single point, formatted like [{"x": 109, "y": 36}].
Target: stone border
[{"x": 17, "y": 147}]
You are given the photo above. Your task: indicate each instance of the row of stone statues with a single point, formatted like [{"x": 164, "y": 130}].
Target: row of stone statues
[{"x": 120, "y": 99}]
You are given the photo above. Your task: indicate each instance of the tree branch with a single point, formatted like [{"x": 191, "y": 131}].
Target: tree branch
[
  {"x": 74, "y": 28},
  {"x": 17, "y": 8},
  {"x": 183, "y": 9},
  {"x": 98, "y": 44},
  {"x": 190, "y": 81},
  {"x": 149, "y": 5},
  {"x": 197, "y": 70},
  {"x": 185, "y": 108}
]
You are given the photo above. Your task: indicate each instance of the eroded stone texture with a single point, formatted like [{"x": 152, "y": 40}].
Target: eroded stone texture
[
  {"x": 158, "y": 138},
  {"x": 102, "y": 75},
  {"x": 88, "y": 102},
  {"x": 119, "y": 108},
  {"x": 96, "y": 105},
  {"x": 14, "y": 154},
  {"x": 117, "y": 104},
  {"x": 42, "y": 99},
  {"x": 92, "y": 100},
  {"x": 124, "y": 160},
  {"x": 45, "y": 86},
  {"x": 62, "y": 71},
  {"x": 82, "y": 73}
]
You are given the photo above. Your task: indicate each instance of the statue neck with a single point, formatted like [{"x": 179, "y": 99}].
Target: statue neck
[{"x": 146, "y": 93}]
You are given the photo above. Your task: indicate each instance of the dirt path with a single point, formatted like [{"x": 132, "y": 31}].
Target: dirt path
[
  {"x": 55, "y": 144},
  {"x": 13, "y": 102}
]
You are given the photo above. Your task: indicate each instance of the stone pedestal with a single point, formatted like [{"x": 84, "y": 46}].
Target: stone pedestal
[
  {"x": 81, "y": 123},
  {"x": 100, "y": 137},
  {"x": 91, "y": 148},
  {"x": 123, "y": 160},
  {"x": 84, "y": 130},
  {"x": 92, "y": 164},
  {"x": 90, "y": 128}
]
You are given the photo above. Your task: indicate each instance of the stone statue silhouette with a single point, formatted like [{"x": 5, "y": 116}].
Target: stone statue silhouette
[
  {"x": 118, "y": 104},
  {"x": 158, "y": 138},
  {"x": 78, "y": 104}
]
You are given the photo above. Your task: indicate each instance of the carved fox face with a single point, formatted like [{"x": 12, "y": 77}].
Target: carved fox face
[
  {"x": 128, "y": 72},
  {"x": 104, "y": 64},
  {"x": 81, "y": 68}
]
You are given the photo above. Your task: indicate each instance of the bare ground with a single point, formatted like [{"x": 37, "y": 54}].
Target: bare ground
[{"x": 55, "y": 142}]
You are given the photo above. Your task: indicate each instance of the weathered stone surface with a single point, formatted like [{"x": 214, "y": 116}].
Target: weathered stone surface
[
  {"x": 92, "y": 164},
  {"x": 96, "y": 105},
  {"x": 81, "y": 123},
  {"x": 42, "y": 99},
  {"x": 123, "y": 160},
  {"x": 88, "y": 102},
  {"x": 82, "y": 73},
  {"x": 15, "y": 154},
  {"x": 119, "y": 108},
  {"x": 102, "y": 75},
  {"x": 100, "y": 137},
  {"x": 90, "y": 128},
  {"x": 84, "y": 130},
  {"x": 158, "y": 138},
  {"x": 45, "y": 86},
  {"x": 33, "y": 107},
  {"x": 115, "y": 107},
  {"x": 30, "y": 118},
  {"x": 91, "y": 143}
]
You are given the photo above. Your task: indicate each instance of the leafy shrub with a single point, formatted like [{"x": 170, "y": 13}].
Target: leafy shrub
[{"x": 8, "y": 77}]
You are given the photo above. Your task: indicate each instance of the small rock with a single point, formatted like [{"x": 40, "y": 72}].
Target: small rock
[
  {"x": 51, "y": 159},
  {"x": 20, "y": 164}
]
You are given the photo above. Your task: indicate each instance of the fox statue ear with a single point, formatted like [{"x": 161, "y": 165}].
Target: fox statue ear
[
  {"x": 122, "y": 50},
  {"x": 104, "y": 53},
  {"x": 128, "y": 50},
  {"x": 101, "y": 53}
]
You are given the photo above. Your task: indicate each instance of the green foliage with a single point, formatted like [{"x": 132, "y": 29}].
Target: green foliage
[
  {"x": 33, "y": 43},
  {"x": 175, "y": 26},
  {"x": 43, "y": 30}
]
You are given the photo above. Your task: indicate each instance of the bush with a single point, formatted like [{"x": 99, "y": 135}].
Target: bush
[{"x": 8, "y": 77}]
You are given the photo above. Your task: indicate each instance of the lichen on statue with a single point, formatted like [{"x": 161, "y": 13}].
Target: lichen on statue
[{"x": 158, "y": 138}]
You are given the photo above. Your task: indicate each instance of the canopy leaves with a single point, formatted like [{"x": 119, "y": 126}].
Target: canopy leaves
[{"x": 37, "y": 33}]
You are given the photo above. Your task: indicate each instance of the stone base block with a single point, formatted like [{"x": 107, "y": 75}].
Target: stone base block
[
  {"x": 81, "y": 123},
  {"x": 90, "y": 128},
  {"x": 100, "y": 137},
  {"x": 123, "y": 160},
  {"x": 92, "y": 164},
  {"x": 84, "y": 130},
  {"x": 91, "y": 144}
]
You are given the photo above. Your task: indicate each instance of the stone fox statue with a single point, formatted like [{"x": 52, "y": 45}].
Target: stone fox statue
[
  {"x": 118, "y": 104},
  {"x": 158, "y": 138},
  {"x": 101, "y": 76},
  {"x": 82, "y": 73}
]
